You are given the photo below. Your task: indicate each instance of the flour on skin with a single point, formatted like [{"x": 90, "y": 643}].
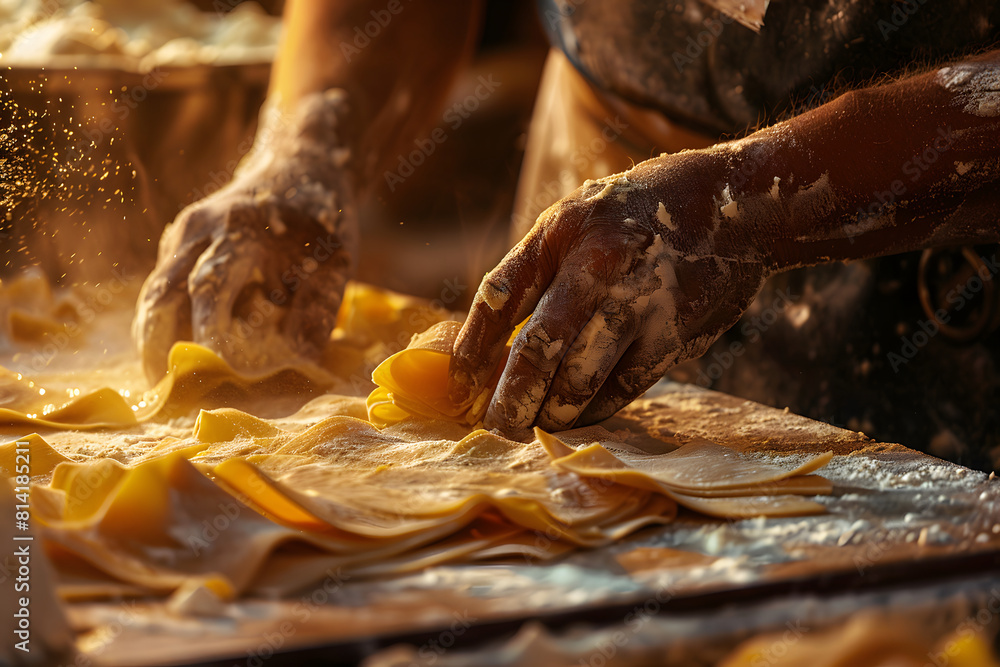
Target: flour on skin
[{"x": 976, "y": 87}]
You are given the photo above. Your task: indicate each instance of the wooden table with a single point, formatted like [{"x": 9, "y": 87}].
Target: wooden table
[{"x": 902, "y": 528}]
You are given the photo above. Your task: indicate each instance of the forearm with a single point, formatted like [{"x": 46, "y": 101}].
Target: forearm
[
  {"x": 394, "y": 59},
  {"x": 882, "y": 170}
]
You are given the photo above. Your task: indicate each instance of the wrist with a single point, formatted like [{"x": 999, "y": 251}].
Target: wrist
[
  {"x": 789, "y": 212},
  {"x": 300, "y": 161},
  {"x": 307, "y": 139},
  {"x": 722, "y": 201}
]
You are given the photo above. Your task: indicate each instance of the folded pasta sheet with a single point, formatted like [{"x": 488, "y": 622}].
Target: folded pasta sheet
[
  {"x": 702, "y": 476},
  {"x": 414, "y": 381},
  {"x": 197, "y": 376}
]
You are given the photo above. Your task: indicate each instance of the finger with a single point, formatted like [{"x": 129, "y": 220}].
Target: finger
[
  {"x": 587, "y": 365},
  {"x": 506, "y": 296},
  {"x": 645, "y": 361},
  {"x": 217, "y": 280},
  {"x": 665, "y": 343},
  {"x": 562, "y": 313},
  {"x": 163, "y": 310},
  {"x": 312, "y": 314}
]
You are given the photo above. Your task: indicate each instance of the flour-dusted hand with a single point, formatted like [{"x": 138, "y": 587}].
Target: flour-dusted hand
[
  {"x": 624, "y": 278},
  {"x": 256, "y": 271}
]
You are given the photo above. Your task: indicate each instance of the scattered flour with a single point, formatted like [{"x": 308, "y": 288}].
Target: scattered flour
[
  {"x": 494, "y": 295},
  {"x": 664, "y": 217},
  {"x": 976, "y": 87},
  {"x": 729, "y": 207}
]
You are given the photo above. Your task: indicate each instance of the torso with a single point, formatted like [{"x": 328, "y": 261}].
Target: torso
[{"x": 703, "y": 69}]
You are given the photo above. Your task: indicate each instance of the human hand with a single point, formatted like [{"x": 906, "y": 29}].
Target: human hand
[
  {"x": 256, "y": 271},
  {"x": 623, "y": 279}
]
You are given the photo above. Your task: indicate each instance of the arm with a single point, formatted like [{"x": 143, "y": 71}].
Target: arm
[
  {"x": 396, "y": 61},
  {"x": 257, "y": 270},
  {"x": 639, "y": 271},
  {"x": 879, "y": 171}
]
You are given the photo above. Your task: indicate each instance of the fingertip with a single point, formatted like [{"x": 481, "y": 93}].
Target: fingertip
[
  {"x": 498, "y": 420},
  {"x": 551, "y": 424},
  {"x": 498, "y": 417},
  {"x": 460, "y": 383},
  {"x": 153, "y": 338},
  {"x": 162, "y": 317},
  {"x": 310, "y": 322},
  {"x": 471, "y": 366},
  {"x": 494, "y": 419},
  {"x": 154, "y": 366},
  {"x": 613, "y": 396},
  {"x": 602, "y": 408}
]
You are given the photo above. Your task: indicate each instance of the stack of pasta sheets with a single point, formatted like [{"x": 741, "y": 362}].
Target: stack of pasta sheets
[
  {"x": 244, "y": 506},
  {"x": 233, "y": 504}
]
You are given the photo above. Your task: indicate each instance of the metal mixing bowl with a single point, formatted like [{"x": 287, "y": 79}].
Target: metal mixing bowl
[{"x": 112, "y": 157}]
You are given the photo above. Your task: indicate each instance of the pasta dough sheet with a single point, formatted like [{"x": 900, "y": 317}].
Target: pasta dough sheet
[{"x": 232, "y": 503}]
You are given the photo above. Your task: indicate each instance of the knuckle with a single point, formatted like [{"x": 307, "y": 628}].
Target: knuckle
[
  {"x": 581, "y": 377},
  {"x": 539, "y": 349},
  {"x": 566, "y": 402}
]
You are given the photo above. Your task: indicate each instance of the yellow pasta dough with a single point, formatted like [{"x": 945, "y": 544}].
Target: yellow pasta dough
[
  {"x": 414, "y": 381},
  {"x": 243, "y": 504}
]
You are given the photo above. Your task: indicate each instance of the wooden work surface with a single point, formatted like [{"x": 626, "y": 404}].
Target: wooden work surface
[{"x": 896, "y": 518}]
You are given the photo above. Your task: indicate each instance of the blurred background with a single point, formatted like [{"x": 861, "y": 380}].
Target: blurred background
[{"x": 115, "y": 115}]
